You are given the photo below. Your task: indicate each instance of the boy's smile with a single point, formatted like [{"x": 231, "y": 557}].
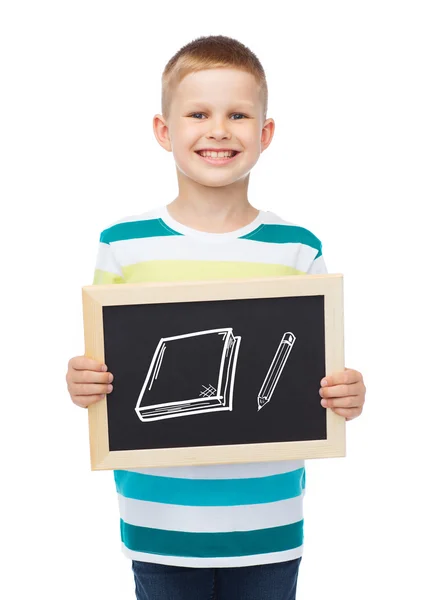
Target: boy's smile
[{"x": 218, "y": 157}]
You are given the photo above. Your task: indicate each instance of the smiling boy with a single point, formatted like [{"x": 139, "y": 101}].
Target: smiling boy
[{"x": 229, "y": 532}]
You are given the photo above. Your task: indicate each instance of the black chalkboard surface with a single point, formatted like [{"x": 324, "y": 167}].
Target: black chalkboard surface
[
  {"x": 186, "y": 371},
  {"x": 207, "y": 369}
]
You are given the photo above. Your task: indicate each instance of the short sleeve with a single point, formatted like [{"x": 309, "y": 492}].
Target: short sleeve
[
  {"x": 107, "y": 269},
  {"x": 317, "y": 266}
]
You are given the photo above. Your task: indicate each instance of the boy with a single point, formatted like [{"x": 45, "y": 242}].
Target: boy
[{"x": 229, "y": 532}]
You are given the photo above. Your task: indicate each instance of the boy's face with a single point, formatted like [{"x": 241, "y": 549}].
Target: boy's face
[{"x": 215, "y": 108}]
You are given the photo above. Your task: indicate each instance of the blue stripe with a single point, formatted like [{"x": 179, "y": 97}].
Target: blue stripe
[
  {"x": 235, "y": 543},
  {"x": 136, "y": 229},
  {"x": 210, "y": 492},
  {"x": 284, "y": 234}
]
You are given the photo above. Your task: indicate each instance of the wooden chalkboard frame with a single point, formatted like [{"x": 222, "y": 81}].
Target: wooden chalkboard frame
[{"x": 95, "y": 297}]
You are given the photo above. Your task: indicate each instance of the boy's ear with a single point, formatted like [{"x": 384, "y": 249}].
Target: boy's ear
[
  {"x": 161, "y": 132},
  {"x": 267, "y": 133}
]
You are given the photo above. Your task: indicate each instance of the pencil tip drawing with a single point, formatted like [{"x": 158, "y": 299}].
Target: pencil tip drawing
[
  {"x": 189, "y": 374},
  {"x": 276, "y": 367}
]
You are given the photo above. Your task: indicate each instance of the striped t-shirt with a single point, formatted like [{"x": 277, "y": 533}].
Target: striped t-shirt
[{"x": 217, "y": 515}]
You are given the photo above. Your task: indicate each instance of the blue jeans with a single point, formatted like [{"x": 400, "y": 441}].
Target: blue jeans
[{"x": 276, "y": 581}]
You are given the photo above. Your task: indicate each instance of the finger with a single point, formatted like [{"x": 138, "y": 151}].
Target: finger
[
  {"x": 347, "y": 376},
  {"x": 89, "y": 389},
  {"x": 344, "y": 402},
  {"x": 337, "y": 391},
  {"x": 83, "y": 363},
  {"x": 86, "y": 401},
  {"x": 348, "y": 413},
  {"x": 92, "y": 377}
]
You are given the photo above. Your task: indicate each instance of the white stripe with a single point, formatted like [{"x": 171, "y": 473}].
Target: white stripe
[
  {"x": 132, "y": 251},
  {"x": 228, "y": 561},
  {"x": 105, "y": 260},
  {"x": 232, "y": 471},
  {"x": 210, "y": 519}
]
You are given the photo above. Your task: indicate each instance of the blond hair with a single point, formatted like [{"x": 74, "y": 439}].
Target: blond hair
[{"x": 211, "y": 52}]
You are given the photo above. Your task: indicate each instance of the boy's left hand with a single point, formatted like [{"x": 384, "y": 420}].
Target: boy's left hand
[{"x": 344, "y": 393}]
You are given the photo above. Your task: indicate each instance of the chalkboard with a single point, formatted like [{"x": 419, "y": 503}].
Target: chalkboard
[{"x": 216, "y": 371}]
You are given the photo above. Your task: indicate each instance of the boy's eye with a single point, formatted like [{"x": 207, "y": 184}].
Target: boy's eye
[{"x": 240, "y": 114}]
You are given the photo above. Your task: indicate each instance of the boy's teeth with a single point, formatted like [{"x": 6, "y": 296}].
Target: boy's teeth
[{"x": 213, "y": 154}]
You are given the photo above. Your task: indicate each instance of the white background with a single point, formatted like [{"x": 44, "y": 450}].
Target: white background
[{"x": 349, "y": 92}]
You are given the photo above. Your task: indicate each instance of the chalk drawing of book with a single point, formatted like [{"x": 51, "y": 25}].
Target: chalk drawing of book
[
  {"x": 190, "y": 374},
  {"x": 276, "y": 367}
]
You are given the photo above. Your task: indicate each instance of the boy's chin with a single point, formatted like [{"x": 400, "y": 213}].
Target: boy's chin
[{"x": 209, "y": 181}]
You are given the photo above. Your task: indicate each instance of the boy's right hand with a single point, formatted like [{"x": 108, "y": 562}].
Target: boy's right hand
[{"x": 87, "y": 381}]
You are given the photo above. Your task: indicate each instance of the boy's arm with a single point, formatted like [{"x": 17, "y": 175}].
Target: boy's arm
[
  {"x": 87, "y": 380},
  {"x": 344, "y": 391}
]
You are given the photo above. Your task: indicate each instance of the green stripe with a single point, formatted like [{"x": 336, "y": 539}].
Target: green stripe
[
  {"x": 284, "y": 234},
  {"x": 204, "y": 545},
  {"x": 136, "y": 229},
  {"x": 210, "y": 492}
]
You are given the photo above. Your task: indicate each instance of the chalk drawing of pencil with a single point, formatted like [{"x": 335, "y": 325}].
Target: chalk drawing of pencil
[{"x": 275, "y": 369}]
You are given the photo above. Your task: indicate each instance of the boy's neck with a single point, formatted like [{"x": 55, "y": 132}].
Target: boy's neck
[
  {"x": 213, "y": 210},
  {"x": 212, "y": 217}
]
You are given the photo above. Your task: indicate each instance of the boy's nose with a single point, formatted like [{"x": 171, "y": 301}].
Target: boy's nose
[{"x": 220, "y": 133}]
